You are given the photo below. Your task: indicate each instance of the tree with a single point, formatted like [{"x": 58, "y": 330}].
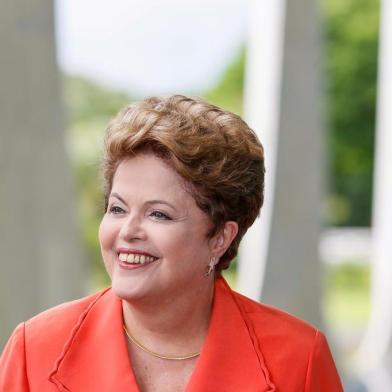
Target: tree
[{"x": 351, "y": 71}]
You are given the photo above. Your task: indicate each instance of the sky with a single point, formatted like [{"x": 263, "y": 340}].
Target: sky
[{"x": 150, "y": 46}]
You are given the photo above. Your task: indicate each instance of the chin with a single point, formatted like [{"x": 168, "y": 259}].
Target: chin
[
  {"x": 130, "y": 289},
  {"x": 127, "y": 293}
]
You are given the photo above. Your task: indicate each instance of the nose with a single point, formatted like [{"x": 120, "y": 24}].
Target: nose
[{"x": 132, "y": 229}]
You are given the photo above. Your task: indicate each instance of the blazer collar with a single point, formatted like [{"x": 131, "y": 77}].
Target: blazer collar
[
  {"x": 95, "y": 356},
  {"x": 230, "y": 358}
]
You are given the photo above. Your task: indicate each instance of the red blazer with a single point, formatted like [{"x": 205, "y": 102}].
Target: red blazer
[{"x": 80, "y": 347}]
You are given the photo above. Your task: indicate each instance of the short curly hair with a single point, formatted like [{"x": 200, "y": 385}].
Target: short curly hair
[{"x": 214, "y": 150}]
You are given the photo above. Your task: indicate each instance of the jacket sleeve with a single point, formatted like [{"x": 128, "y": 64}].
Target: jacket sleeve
[
  {"x": 13, "y": 377},
  {"x": 322, "y": 375}
]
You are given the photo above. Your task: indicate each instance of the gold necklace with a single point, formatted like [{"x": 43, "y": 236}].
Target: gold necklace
[{"x": 138, "y": 344}]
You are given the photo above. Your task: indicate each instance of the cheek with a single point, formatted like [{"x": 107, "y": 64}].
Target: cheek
[
  {"x": 106, "y": 235},
  {"x": 106, "y": 241},
  {"x": 184, "y": 244}
]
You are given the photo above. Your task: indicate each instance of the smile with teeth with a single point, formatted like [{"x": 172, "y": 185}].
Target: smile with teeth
[{"x": 132, "y": 258}]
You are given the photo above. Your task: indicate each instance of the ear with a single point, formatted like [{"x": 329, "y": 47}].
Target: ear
[{"x": 222, "y": 240}]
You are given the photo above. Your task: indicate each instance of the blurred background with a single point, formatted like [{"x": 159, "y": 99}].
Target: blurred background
[{"x": 305, "y": 78}]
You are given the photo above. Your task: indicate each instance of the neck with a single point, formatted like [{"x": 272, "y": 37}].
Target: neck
[{"x": 175, "y": 325}]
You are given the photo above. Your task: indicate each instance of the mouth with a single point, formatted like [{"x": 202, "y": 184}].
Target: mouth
[{"x": 133, "y": 260}]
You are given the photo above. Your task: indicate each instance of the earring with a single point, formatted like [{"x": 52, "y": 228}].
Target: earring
[{"x": 211, "y": 266}]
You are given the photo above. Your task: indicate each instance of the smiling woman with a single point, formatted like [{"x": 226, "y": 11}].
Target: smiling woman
[
  {"x": 184, "y": 181},
  {"x": 154, "y": 248}
]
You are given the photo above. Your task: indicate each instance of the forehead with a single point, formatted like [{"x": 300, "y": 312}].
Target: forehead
[{"x": 146, "y": 174}]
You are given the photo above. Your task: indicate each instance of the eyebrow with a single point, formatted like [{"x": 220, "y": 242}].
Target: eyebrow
[
  {"x": 117, "y": 196},
  {"x": 156, "y": 201}
]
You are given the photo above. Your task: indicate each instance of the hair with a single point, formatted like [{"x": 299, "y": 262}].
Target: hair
[{"x": 213, "y": 150}]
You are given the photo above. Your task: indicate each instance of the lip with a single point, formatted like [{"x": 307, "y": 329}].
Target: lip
[{"x": 127, "y": 266}]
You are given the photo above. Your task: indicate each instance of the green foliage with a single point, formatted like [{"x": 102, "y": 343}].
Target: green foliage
[
  {"x": 87, "y": 101},
  {"x": 89, "y": 109},
  {"x": 351, "y": 67},
  {"x": 228, "y": 92}
]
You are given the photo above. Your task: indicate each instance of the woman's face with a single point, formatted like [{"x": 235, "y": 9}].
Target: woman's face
[{"x": 153, "y": 235}]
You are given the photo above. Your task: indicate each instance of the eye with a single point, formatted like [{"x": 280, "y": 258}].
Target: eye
[
  {"x": 116, "y": 210},
  {"x": 160, "y": 215}
]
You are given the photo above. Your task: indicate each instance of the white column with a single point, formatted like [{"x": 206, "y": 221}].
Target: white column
[
  {"x": 263, "y": 75},
  {"x": 375, "y": 354},
  {"x": 283, "y": 97},
  {"x": 40, "y": 253}
]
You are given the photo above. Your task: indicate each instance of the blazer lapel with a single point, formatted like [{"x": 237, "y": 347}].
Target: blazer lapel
[
  {"x": 229, "y": 360},
  {"x": 95, "y": 358}
]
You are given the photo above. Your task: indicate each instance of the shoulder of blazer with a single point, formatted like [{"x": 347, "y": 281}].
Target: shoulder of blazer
[
  {"x": 267, "y": 316},
  {"x": 63, "y": 315},
  {"x": 286, "y": 341},
  {"x": 47, "y": 332}
]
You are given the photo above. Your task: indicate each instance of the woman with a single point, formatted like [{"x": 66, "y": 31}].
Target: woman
[{"x": 183, "y": 182}]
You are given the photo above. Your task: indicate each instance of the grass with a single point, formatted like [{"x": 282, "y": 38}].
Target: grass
[{"x": 346, "y": 302}]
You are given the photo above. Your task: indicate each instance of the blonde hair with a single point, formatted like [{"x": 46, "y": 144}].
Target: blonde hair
[{"x": 212, "y": 149}]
